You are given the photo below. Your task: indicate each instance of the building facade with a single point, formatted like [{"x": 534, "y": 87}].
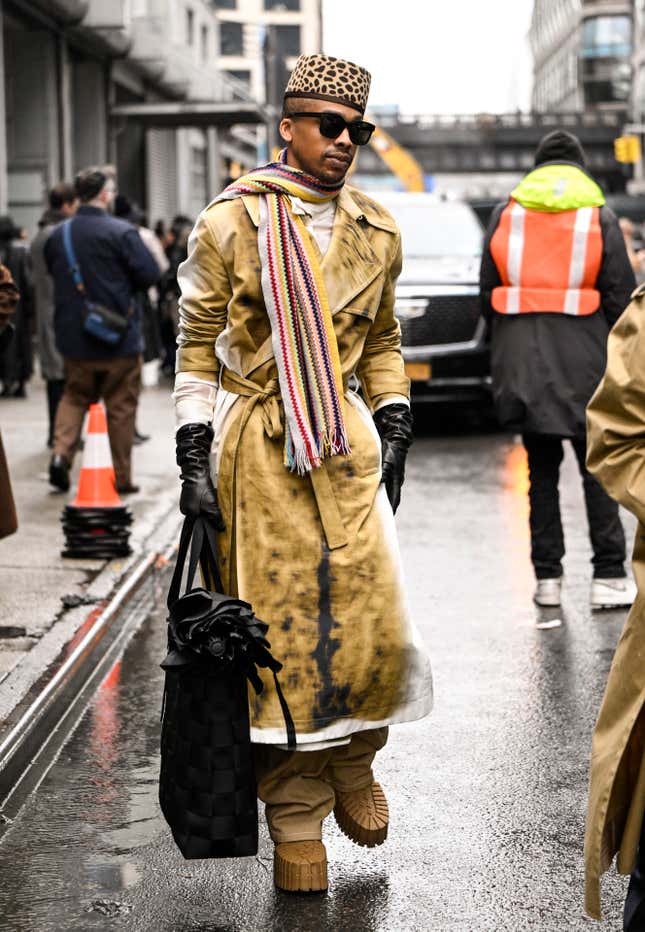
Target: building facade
[
  {"x": 582, "y": 53},
  {"x": 638, "y": 88},
  {"x": 297, "y": 26},
  {"x": 68, "y": 65}
]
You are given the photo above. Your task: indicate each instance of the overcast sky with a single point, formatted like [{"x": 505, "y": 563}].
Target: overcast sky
[{"x": 436, "y": 56}]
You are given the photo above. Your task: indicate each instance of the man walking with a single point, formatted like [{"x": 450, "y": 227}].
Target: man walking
[
  {"x": 63, "y": 203},
  {"x": 555, "y": 277},
  {"x": 287, "y": 292},
  {"x": 113, "y": 264}
]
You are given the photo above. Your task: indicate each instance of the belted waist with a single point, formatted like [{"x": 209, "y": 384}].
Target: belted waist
[
  {"x": 269, "y": 397},
  {"x": 237, "y": 384}
]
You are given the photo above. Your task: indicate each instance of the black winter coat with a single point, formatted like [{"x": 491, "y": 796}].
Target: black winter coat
[
  {"x": 114, "y": 265},
  {"x": 545, "y": 367},
  {"x": 17, "y": 360}
]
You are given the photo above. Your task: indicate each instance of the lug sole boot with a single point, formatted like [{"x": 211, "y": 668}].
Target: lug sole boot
[
  {"x": 363, "y": 815},
  {"x": 300, "y": 867}
]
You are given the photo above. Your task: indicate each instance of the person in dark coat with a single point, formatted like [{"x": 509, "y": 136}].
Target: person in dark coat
[
  {"x": 114, "y": 265},
  {"x": 149, "y": 300},
  {"x": 63, "y": 203},
  {"x": 9, "y": 298},
  {"x": 17, "y": 359},
  {"x": 169, "y": 291},
  {"x": 555, "y": 277}
]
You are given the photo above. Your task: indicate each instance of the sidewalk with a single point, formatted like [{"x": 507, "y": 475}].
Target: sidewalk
[{"x": 46, "y": 600}]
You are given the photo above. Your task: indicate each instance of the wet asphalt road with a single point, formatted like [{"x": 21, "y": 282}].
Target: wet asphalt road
[{"x": 487, "y": 795}]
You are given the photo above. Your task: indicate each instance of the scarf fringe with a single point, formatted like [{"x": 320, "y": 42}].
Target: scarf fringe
[{"x": 301, "y": 459}]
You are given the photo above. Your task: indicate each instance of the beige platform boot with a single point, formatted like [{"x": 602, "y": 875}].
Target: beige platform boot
[
  {"x": 300, "y": 866},
  {"x": 363, "y": 815}
]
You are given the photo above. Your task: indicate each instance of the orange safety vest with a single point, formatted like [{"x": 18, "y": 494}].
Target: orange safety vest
[{"x": 548, "y": 262}]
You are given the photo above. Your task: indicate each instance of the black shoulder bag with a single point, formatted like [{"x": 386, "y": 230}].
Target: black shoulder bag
[
  {"x": 100, "y": 322},
  {"x": 207, "y": 786}
]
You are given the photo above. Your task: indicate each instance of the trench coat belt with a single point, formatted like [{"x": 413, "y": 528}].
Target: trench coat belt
[{"x": 269, "y": 397}]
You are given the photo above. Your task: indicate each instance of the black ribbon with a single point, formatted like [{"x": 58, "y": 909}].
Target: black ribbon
[{"x": 215, "y": 631}]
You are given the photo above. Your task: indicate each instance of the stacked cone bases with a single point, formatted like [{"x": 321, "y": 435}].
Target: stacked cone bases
[{"x": 97, "y": 523}]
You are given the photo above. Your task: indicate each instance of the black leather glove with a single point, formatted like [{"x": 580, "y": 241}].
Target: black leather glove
[
  {"x": 198, "y": 495},
  {"x": 394, "y": 424}
]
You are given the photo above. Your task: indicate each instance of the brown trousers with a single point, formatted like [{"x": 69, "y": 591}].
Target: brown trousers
[
  {"x": 298, "y": 787},
  {"x": 117, "y": 381}
]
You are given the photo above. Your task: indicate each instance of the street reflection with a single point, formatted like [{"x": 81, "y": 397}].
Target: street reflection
[
  {"x": 514, "y": 552},
  {"x": 103, "y": 745}
]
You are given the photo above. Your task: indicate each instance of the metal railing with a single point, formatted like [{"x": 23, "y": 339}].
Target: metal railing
[{"x": 599, "y": 118}]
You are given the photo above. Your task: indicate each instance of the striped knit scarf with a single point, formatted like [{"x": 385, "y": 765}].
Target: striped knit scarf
[{"x": 304, "y": 342}]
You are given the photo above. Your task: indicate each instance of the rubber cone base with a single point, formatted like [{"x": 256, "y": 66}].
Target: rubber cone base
[{"x": 97, "y": 533}]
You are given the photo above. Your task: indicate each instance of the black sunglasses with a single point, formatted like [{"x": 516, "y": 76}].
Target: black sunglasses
[{"x": 333, "y": 124}]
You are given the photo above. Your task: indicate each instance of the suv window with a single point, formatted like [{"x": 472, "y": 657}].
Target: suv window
[{"x": 437, "y": 229}]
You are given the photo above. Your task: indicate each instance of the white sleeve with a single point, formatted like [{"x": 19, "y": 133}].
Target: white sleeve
[
  {"x": 194, "y": 400},
  {"x": 393, "y": 400}
]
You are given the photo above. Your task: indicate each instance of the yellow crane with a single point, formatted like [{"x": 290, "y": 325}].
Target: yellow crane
[{"x": 400, "y": 162}]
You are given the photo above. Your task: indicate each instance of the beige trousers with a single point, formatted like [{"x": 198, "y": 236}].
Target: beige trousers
[
  {"x": 298, "y": 787},
  {"x": 118, "y": 382}
]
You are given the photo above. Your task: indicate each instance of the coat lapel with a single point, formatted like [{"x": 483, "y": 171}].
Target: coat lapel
[{"x": 350, "y": 264}]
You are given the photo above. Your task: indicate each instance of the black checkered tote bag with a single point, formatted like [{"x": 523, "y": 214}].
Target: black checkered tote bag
[{"x": 207, "y": 787}]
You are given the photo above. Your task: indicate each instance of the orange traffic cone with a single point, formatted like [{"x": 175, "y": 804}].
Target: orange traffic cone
[
  {"x": 97, "y": 523},
  {"x": 96, "y": 483}
]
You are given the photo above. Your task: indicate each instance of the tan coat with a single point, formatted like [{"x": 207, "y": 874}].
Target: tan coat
[
  {"x": 316, "y": 556},
  {"x": 616, "y": 456}
]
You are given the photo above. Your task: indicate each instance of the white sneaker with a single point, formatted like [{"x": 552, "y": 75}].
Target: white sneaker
[
  {"x": 612, "y": 593},
  {"x": 547, "y": 592}
]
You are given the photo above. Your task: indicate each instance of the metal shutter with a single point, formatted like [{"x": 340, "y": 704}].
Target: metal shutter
[{"x": 162, "y": 175}]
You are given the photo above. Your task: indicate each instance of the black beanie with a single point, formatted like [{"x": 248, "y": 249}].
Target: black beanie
[{"x": 560, "y": 146}]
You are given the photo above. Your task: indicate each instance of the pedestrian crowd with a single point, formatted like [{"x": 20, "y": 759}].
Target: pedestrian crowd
[{"x": 124, "y": 264}]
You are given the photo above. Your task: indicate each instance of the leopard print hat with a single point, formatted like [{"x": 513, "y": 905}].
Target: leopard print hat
[{"x": 325, "y": 78}]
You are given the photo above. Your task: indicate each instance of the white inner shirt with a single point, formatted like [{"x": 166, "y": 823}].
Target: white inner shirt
[{"x": 318, "y": 219}]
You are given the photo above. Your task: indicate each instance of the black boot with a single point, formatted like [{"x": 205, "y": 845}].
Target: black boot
[
  {"x": 59, "y": 472},
  {"x": 55, "y": 388}
]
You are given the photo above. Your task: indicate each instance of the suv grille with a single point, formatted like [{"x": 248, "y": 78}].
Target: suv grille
[{"x": 448, "y": 319}]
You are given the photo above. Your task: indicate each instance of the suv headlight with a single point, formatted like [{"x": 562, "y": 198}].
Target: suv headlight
[{"x": 408, "y": 308}]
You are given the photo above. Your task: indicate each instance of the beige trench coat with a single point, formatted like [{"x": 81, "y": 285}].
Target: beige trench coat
[
  {"x": 317, "y": 555},
  {"x": 616, "y": 456}
]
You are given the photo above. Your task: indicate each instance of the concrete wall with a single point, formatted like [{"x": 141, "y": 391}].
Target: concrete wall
[
  {"x": 89, "y": 113},
  {"x": 32, "y": 120}
]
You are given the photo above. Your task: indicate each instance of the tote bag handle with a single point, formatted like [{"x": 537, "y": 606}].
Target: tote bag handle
[{"x": 199, "y": 537}]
